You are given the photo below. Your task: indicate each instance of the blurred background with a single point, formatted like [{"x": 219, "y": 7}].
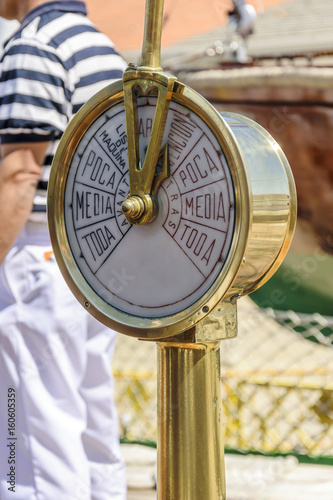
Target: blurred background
[{"x": 271, "y": 60}]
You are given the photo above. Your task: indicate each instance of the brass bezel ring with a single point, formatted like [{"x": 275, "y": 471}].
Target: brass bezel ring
[{"x": 146, "y": 328}]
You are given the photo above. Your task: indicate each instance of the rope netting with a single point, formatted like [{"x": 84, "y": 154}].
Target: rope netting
[{"x": 277, "y": 383}]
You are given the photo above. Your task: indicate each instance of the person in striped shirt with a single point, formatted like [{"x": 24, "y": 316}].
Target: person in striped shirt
[{"x": 55, "y": 372}]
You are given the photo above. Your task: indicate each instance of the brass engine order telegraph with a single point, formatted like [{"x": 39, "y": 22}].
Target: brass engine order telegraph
[
  {"x": 160, "y": 207},
  {"x": 162, "y": 213}
]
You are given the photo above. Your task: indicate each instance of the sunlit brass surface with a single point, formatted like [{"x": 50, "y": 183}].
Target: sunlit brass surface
[{"x": 190, "y": 443}]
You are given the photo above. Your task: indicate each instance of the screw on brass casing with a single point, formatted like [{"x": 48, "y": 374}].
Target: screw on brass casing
[{"x": 133, "y": 207}]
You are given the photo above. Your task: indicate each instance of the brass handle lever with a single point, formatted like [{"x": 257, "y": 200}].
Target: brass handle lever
[{"x": 140, "y": 206}]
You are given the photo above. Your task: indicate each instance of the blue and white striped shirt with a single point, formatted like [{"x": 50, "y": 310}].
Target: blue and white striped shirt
[{"x": 51, "y": 66}]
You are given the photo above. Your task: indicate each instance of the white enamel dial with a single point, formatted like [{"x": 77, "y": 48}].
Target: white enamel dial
[{"x": 164, "y": 267}]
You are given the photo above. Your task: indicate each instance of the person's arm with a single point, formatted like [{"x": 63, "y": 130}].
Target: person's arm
[{"x": 20, "y": 170}]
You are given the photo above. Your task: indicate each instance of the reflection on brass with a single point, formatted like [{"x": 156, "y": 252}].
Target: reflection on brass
[{"x": 190, "y": 444}]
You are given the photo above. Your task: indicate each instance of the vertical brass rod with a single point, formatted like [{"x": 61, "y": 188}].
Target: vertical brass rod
[
  {"x": 151, "y": 48},
  {"x": 190, "y": 452}
]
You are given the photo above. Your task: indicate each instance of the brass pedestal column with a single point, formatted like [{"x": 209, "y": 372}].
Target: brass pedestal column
[{"x": 190, "y": 442}]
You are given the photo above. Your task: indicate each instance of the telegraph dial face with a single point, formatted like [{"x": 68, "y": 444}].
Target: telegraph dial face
[{"x": 154, "y": 279}]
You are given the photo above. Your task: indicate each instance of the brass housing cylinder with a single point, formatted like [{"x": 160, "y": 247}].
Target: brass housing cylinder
[
  {"x": 271, "y": 203},
  {"x": 190, "y": 442}
]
